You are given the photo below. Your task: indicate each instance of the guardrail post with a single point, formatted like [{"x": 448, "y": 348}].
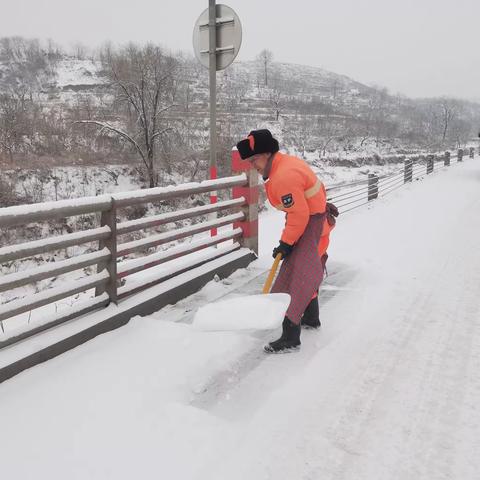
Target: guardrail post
[
  {"x": 407, "y": 171},
  {"x": 251, "y": 193},
  {"x": 109, "y": 219},
  {"x": 430, "y": 159},
  {"x": 372, "y": 186},
  {"x": 472, "y": 152},
  {"x": 446, "y": 160},
  {"x": 460, "y": 155}
]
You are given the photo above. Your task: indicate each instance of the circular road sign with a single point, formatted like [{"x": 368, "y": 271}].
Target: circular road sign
[{"x": 229, "y": 37}]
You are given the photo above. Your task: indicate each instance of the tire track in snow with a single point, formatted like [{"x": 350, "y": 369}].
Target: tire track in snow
[
  {"x": 358, "y": 403},
  {"x": 448, "y": 346},
  {"x": 412, "y": 392}
]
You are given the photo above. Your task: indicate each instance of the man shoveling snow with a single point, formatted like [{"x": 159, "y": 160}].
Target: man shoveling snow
[{"x": 292, "y": 186}]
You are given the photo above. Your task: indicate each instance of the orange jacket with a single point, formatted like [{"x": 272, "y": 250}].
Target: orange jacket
[{"x": 293, "y": 187}]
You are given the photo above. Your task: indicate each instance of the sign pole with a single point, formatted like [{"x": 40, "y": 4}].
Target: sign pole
[
  {"x": 212, "y": 65},
  {"x": 217, "y": 37}
]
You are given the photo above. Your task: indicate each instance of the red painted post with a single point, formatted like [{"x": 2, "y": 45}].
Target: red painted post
[{"x": 251, "y": 193}]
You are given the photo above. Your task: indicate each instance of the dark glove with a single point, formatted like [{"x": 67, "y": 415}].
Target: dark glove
[
  {"x": 332, "y": 209},
  {"x": 283, "y": 248},
  {"x": 332, "y": 213}
]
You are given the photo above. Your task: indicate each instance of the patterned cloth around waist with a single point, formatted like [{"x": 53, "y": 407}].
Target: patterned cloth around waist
[{"x": 301, "y": 272}]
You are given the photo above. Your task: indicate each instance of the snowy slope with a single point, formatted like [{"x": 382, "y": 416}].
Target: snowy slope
[
  {"x": 388, "y": 389},
  {"x": 75, "y": 73}
]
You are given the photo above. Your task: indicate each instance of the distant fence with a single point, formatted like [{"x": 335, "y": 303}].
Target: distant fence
[{"x": 349, "y": 196}]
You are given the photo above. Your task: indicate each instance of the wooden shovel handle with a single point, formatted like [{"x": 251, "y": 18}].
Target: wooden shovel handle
[{"x": 273, "y": 271}]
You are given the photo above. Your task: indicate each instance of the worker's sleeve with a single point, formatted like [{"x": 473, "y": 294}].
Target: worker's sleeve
[{"x": 291, "y": 194}]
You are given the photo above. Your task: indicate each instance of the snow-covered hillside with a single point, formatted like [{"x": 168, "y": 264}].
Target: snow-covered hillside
[
  {"x": 387, "y": 389},
  {"x": 47, "y": 92}
]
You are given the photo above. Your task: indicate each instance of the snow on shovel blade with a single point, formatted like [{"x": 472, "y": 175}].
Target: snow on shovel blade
[{"x": 255, "y": 312}]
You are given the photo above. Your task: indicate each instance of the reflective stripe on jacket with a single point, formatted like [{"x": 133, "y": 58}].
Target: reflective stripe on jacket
[{"x": 293, "y": 187}]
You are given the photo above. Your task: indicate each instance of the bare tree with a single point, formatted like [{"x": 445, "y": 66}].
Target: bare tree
[
  {"x": 144, "y": 83},
  {"x": 265, "y": 58},
  {"x": 275, "y": 100},
  {"x": 374, "y": 116},
  {"x": 448, "y": 113},
  {"x": 276, "y": 95},
  {"x": 54, "y": 51},
  {"x": 232, "y": 89},
  {"x": 13, "y": 121},
  {"x": 334, "y": 88},
  {"x": 8, "y": 195},
  {"x": 80, "y": 51},
  {"x": 329, "y": 129},
  {"x": 300, "y": 132}
]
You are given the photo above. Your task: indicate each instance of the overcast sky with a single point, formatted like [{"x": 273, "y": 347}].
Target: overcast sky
[{"x": 414, "y": 47}]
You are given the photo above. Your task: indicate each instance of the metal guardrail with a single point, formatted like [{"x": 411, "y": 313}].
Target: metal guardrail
[
  {"x": 111, "y": 248},
  {"x": 349, "y": 196}
]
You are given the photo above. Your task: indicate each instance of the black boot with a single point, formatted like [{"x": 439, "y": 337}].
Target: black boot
[
  {"x": 289, "y": 341},
  {"x": 310, "y": 317}
]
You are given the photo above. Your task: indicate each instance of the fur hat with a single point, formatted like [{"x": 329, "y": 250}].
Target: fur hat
[{"x": 258, "y": 141}]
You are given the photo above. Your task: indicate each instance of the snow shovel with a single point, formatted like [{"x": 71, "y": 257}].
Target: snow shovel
[
  {"x": 271, "y": 275},
  {"x": 255, "y": 312}
]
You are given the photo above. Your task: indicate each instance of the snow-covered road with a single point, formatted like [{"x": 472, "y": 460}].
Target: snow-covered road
[
  {"x": 392, "y": 385},
  {"x": 388, "y": 389}
]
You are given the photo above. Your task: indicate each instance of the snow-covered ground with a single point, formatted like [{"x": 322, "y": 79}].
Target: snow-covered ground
[{"x": 387, "y": 389}]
